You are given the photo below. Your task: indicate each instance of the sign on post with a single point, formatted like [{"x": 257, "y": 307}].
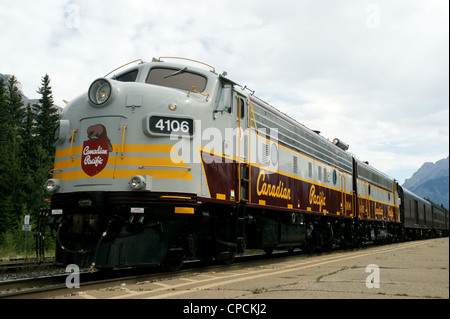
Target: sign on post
[{"x": 26, "y": 227}]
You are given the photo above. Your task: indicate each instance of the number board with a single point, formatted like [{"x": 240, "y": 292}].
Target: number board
[{"x": 171, "y": 125}]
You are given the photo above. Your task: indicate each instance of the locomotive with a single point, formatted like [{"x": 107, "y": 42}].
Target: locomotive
[{"x": 167, "y": 161}]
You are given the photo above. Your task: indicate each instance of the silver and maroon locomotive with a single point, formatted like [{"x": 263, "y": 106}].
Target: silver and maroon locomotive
[{"x": 166, "y": 162}]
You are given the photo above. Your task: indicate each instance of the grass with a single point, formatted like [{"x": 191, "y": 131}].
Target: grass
[
  {"x": 12, "y": 245},
  {"x": 257, "y": 291},
  {"x": 333, "y": 273}
]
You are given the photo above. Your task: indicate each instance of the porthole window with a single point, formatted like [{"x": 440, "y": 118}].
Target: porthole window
[{"x": 334, "y": 177}]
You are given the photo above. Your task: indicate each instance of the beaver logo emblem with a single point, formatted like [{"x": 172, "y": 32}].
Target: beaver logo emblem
[{"x": 95, "y": 150}]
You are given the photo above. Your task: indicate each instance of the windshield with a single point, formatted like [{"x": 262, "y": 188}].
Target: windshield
[
  {"x": 127, "y": 77},
  {"x": 176, "y": 78}
]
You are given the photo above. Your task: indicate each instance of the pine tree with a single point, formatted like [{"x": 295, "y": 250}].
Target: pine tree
[
  {"x": 34, "y": 174},
  {"x": 14, "y": 105},
  {"x": 11, "y": 175},
  {"x": 47, "y": 116},
  {"x": 4, "y": 201},
  {"x": 3, "y": 113},
  {"x": 29, "y": 137},
  {"x": 26, "y": 154}
]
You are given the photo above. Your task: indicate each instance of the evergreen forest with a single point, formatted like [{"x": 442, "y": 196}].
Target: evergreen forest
[{"x": 26, "y": 161}]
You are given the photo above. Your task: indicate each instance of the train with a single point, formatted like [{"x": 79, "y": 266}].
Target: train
[{"x": 169, "y": 161}]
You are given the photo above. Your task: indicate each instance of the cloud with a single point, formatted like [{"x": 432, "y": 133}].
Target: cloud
[{"x": 374, "y": 73}]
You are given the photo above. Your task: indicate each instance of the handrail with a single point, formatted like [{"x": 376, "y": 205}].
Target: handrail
[
  {"x": 71, "y": 144},
  {"x": 239, "y": 152},
  {"x": 123, "y": 138},
  {"x": 193, "y": 90},
  {"x": 172, "y": 57},
  {"x": 123, "y": 66},
  {"x": 253, "y": 115}
]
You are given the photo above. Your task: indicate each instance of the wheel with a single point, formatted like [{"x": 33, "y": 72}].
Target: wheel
[
  {"x": 173, "y": 261},
  {"x": 310, "y": 246},
  {"x": 229, "y": 260}
]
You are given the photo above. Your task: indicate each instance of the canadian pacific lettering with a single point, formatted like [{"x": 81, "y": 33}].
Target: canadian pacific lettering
[
  {"x": 319, "y": 199},
  {"x": 271, "y": 190}
]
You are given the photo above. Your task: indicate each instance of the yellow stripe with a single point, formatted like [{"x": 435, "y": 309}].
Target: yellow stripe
[
  {"x": 67, "y": 152},
  {"x": 106, "y": 173},
  {"x": 184, "y": 210},
  {"x": 151, "y": 161},
  {"x": 159, "y": 162},
  {"x": 127, "y": 148},
  {"x": 117, "y": 160},
  {"x": 175, "y": 197},
  {"x": 148, "y": 148},
  {"x": 126, "y": 173}
]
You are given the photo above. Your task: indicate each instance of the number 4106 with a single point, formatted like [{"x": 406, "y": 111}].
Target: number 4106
[{"x": 172, "y": 125}]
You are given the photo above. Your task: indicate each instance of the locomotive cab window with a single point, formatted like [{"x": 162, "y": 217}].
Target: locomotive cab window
[
  {"x": 176, "y": 78},
  {"x": 127, "y": 77},
  {"x": 224, "y": 104},
  {"x": 240, "y": 104}
]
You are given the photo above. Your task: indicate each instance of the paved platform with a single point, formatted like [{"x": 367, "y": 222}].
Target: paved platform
[{"x": 410, "y": 270}]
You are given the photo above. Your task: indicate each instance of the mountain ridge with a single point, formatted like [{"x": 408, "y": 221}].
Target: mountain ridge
[
  {"x": 25, "y": 99},
  {"x": 431, "y": 181}
]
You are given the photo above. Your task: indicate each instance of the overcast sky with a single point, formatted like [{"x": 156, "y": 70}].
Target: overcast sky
[{"x": 373, "y": 73}]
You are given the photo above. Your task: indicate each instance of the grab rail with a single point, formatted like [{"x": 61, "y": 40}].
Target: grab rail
[
  {"x": 71, "y": 144},
  {"x": 123, "y": 138},
  {"x": 123, "y": 66},
  {"x": 193, "y": 90}
]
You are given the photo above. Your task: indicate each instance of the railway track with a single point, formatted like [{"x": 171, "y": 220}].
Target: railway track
[
  {"x": 55, "y": 285},
  {"x": 13, "y": 264},
  {"x": 52, "y": 286}
]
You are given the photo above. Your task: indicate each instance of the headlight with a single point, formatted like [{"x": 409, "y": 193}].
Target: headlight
[
  {"x": 99, "y": 91},
  {"x": 137, "y": 182},
  {"x": 52, "y": 186}
]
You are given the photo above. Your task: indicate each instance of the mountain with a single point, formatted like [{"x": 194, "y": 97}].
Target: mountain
[
  {"x": 431, "y": 181},
  {"x": 25, "y": 99}
]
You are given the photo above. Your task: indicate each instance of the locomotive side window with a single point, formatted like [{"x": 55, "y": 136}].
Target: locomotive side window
[
  {"x": 424, "y": 214},
  {"x": 416, "y": 212},
  {"x": 240, "y": 103},
  {"x": 224, "y": 104},
  {"x": 127, "y": 77},
  {"x": 177, "y": 79}
]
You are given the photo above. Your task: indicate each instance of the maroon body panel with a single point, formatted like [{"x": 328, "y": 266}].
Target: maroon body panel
[{"x": 278, "y": 191}]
